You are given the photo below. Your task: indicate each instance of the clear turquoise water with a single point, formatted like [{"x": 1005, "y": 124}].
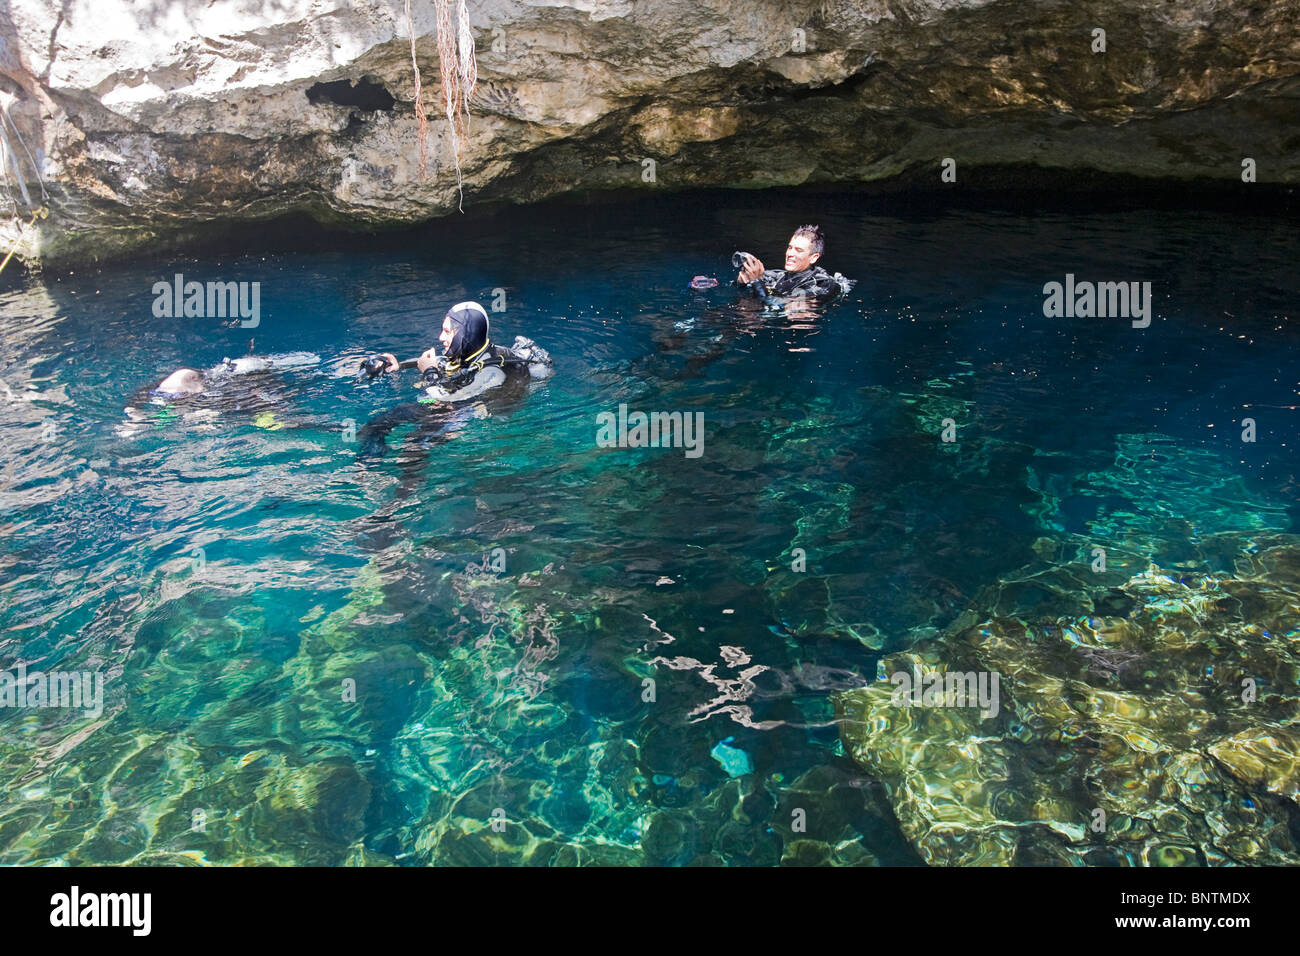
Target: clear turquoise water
[{"x": 523, "y": 691}]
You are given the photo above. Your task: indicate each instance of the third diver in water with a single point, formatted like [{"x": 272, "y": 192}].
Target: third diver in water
[{"x": 249, "y": 386}]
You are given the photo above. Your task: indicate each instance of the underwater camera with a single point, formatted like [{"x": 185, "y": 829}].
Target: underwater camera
[
  {"x": 738, "y": 263},
  {"x": 374, "y": 366}
]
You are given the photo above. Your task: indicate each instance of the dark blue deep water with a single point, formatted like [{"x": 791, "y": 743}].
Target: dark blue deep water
[{"x": 313, "y": 659}]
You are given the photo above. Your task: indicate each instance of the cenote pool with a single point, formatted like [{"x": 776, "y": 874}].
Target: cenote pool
[{"x": 311, "y": 659}]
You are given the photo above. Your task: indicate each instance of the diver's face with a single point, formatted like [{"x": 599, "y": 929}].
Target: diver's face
[
  {"x": 799, "y": 254},
  {"x": 448, "y": 333}
]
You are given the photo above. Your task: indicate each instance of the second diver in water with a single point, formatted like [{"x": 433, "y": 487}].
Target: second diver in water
[{"x": 469, "y": 367}]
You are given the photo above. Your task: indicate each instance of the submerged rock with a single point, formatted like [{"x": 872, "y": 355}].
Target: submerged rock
[
  {"x": 1158, "y": 738},
  {"x": 1268, "y": 758}
]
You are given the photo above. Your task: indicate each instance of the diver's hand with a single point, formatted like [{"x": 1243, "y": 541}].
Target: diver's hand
[
  {"x": 428, "y": 360},
  {"x": 753, "y": 269},
  {"x": 377, "y": 365}
]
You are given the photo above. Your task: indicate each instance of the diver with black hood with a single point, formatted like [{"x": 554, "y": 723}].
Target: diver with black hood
[{"x": 469, "y": 366}]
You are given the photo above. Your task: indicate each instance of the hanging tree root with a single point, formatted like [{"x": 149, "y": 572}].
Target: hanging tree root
[
  {"x": 422, "y": 120},
  {"x": 458, "y": 70}
]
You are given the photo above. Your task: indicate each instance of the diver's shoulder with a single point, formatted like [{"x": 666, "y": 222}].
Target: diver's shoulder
[{"x": 833, "y": 282}]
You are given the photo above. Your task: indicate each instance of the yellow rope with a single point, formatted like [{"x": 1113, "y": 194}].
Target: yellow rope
[{"x": 38, "y": 214}]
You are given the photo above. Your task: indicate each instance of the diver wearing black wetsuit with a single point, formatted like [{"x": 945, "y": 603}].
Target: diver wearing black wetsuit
[
  {"x": 801, "y": 277},
  {"x": 814, "y": 281},
  {"x": 471, "y": 364},
  {"x": 469, "y": 367},
  {"x": 251, "y": 387}
]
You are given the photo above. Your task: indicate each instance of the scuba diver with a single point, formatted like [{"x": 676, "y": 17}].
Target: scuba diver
[
  {"x": 797, "y": 293},
  {"x": 246, "y": 385},
  {"x": 801, "y": 277},
  {"x": 469, "y": 367}
]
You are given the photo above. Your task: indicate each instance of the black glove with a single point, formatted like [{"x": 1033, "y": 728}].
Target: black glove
[{"x": 769, "y": 301}]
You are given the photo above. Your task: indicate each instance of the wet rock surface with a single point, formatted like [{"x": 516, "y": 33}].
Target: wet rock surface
[{"x": 150, "y": 120}]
